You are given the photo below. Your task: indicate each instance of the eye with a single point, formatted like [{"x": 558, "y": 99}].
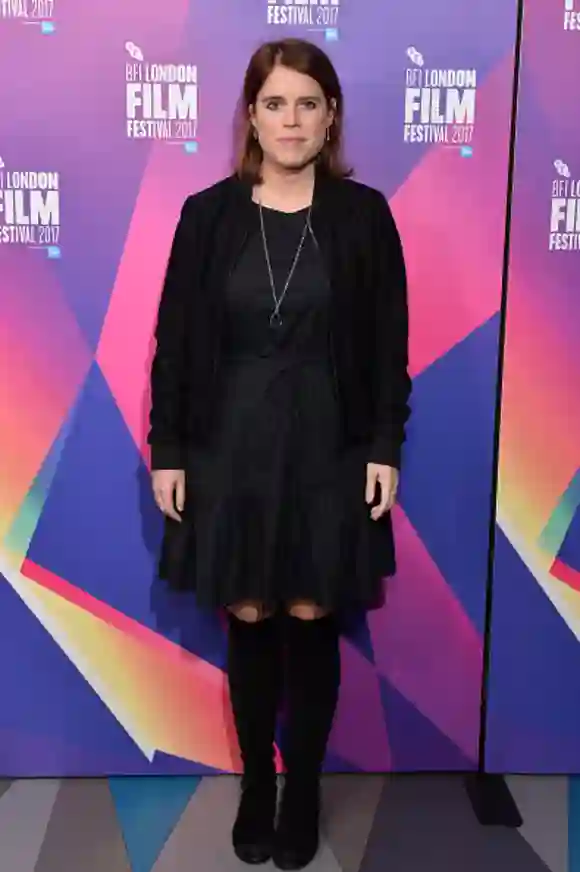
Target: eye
[
  {"x": 273, "y": 104},
  {"x": 310, "y": 104}
]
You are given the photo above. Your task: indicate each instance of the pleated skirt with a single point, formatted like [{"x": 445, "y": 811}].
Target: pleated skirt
[{"x": 275, "y": 506}]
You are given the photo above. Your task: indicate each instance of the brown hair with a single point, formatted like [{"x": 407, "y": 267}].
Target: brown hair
[{"x": 306, "y": 58}]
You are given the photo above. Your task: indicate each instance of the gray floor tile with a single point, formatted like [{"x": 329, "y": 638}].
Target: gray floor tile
[
  {"x": 350, "y": 803},
  {"x": 371, "y": 823},
  {"x": 83, "y": 834},
  {"x": 543, "y": 804},
  {"x": 426, "y": 824},
  {"x": 25, "y": 810},
  {"x": 202, "y": 834}
]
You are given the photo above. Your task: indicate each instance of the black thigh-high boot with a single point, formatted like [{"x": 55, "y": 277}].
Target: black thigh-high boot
[
  {"x": 312, "y": 688},
  {"x": 255, "y": 682}
]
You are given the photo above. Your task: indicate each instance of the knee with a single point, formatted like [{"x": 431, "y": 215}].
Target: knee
[
  {"x": 249, "y": 613},
  {"x": 306, "y": 611}
]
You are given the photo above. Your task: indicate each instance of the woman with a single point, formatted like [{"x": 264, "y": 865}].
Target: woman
[{"x": 279, "y": 400}]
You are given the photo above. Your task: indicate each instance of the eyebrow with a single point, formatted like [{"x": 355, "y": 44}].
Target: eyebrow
[{"x": 280, "y": 97}]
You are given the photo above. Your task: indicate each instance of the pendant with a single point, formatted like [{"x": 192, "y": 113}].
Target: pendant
[{"x": 275, "y": 319}]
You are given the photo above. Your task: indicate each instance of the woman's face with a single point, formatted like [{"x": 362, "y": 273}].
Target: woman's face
[{"x": 291, "y": 117}]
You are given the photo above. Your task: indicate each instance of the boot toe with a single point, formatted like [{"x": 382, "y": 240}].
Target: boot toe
[
  {"x": 253, "y": 832},
  {"x": 287, "y": 858},
  {"x": 298, "y": 832},
  {"x": 253, "y": 853}
]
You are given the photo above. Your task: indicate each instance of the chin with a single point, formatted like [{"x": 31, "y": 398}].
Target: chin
[{"x": 297, "y": 163}]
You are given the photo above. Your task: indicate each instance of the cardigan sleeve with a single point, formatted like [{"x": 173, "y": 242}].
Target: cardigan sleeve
[
  {"x": 168, "y": 400},
  {"x": 392, "y": 381}
]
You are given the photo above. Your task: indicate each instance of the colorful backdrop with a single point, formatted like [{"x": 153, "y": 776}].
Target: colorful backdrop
[
  {"x": 111, "y": 114},
  {"x": 534, "y": 712}
]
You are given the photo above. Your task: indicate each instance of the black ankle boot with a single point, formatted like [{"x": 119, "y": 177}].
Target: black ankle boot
[
  {"x": 254, "y": 674},
  {"x": 298, "y": 831},
  {"x": 313, "y": 681},
  {"x": 253, "y": 831}
]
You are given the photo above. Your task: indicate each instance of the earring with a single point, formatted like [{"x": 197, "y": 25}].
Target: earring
[
  {"x": 328, "y": 134},
  {"x": 255, "y": 133}
]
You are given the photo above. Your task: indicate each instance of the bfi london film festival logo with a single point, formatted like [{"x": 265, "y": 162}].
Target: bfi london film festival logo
[
  {"x": 571, "y": 15},
  {"x": 564, "y": 210},
  {"x": 30, "y": 209},
  {"x": 37, "y": 13},
  {"x": 161, "y": 101},
  {"x": 311, "y": 15},
  {"x": 439, "y": 105}
]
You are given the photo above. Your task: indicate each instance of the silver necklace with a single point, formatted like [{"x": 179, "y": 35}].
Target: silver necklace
[{"x": 275, "y": 317}]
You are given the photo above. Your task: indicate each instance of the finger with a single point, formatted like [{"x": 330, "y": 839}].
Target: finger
[
  {"x": 180, "y": 494},
  {"x": 391, "y": 499},
  {"x": 371, "y": 486},
  {"x": 159, "y": 499},
  {"x": 168, "y": 506},
  {"x": 383, "y": 505}
]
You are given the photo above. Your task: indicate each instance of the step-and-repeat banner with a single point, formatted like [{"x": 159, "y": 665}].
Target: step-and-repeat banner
[
  {"x": 112, "y": 113},
  {"x": 534, "y": 712}
]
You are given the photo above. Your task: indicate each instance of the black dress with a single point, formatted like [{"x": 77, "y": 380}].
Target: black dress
[{"x": 275, "y": 509}]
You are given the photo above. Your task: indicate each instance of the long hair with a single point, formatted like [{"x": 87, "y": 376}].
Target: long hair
[{"x": 303, "y": 57}]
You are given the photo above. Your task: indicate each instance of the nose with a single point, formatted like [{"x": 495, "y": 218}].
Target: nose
[{"x": 291, "y": 118}]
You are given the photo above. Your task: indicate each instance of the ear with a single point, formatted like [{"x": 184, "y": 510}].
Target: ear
[
  {"x": 332, "y": 110},
  {"x": 252, "y": 119}
]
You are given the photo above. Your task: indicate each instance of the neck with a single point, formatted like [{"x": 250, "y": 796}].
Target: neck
[{"x": 286, "y": 189}]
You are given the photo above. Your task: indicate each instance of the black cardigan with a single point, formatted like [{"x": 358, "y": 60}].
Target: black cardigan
[{"x": 369, "y": 318}]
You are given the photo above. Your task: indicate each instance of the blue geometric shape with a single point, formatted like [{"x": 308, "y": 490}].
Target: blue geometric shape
[
  {"x": 53, "y": 252},
  {"x": 446, "y": 485},
  {"x": 331, "y": 34},
  {"x": 47, "y": 27},
  {"x": 191, "y": 147},
  {"x": 533, "y": 698},
  {"x": 99, "y": 526},
  {"x": 52, "y": 724},
  {"x": 100, "y": 529},
  {"x": 148, "y": 810},
  {"x": 466, "y": 151},
  {"x": 167, "y": 764},
  {"x": 416, "y": 743}
]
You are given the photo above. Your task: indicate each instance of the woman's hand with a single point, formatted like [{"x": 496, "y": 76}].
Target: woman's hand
[
  {"x": 169, "y": 491},
  {"x": 388, "y": 479}
]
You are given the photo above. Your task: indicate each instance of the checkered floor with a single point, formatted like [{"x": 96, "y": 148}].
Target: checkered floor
[{"x": 372, "y": 824}]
